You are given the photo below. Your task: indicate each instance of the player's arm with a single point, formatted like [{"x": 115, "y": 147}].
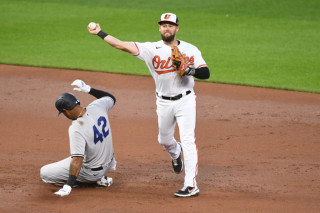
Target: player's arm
[
  {"x": 118, "y": 44},
  {"x": 83, "y": 87},
  {"x": 200, "y": 73},
  {"x": 74, "y": 170},
  {"x": 99, "y": 94},
  {"x": 181, "y": 65},
  {"x": 114, "y": 42}
]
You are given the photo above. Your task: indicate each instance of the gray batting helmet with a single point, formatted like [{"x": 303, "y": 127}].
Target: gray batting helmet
[{"x": 66, "y": 101}]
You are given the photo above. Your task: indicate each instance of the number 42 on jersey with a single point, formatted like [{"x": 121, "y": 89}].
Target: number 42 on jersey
[{"x": 99, "y": 136}]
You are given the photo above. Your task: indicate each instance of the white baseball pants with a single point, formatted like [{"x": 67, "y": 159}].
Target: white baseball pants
[{"x": 183, "y": 112}]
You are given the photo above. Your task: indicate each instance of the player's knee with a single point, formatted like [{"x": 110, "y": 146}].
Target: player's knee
[
  {"x": 161, "y": 140},
  {"x": 44, "y": 173},
  {"x": 165, "y": 140}
]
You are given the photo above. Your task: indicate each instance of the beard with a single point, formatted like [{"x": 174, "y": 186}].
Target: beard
[{"x": 168, "y": 38}]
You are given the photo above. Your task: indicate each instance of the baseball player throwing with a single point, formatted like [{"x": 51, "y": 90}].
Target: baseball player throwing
[
  {"x": 173, "y": 64},
  {"x": 90, "y": 142}
]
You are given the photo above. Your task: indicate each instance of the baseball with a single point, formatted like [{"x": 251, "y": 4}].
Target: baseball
[{"x": 92, "y": 25}]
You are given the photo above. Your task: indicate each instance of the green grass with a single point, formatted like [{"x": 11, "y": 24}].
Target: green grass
[{"x": 274, "y": 43}]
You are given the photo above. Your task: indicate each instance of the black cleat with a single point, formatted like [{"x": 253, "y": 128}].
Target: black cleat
[
  {"x": 177, "y": 164},
  {"x": 187, "y": 192}
]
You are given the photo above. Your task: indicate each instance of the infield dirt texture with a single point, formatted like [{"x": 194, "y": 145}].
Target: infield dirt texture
[{"x": 258, "y": 148}]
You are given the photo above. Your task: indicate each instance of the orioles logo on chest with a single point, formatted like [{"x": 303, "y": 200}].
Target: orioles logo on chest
[{"x": 162, "y": 66}]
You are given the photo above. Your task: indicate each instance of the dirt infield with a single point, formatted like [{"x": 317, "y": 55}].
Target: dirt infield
[{"x": 259, "y": 149}]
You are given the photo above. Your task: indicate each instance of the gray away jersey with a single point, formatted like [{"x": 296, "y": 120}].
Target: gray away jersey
[{"x": 90, "y": 135}]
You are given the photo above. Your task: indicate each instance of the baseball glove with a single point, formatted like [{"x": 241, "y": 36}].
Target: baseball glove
[{"x": 178, "y": 61}]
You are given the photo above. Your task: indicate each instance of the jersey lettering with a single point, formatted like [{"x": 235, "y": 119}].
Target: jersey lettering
[
  {"x": 162, "y": 66},
  {"x": 98, "y": 136},
  {"x": 189, "y": 60}
]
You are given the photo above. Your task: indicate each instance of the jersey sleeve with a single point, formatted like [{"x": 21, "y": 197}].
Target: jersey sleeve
[
  {"x": 77, "y": 143},
  {"x": 143, "y": 50},
  {"x": 198, "y": 60},
  {"x": 105, "y": 102}
]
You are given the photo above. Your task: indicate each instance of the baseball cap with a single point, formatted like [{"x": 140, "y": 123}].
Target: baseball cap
[
  {"x": 169, "y": 17},
  {"x": 66, "y": 101}
]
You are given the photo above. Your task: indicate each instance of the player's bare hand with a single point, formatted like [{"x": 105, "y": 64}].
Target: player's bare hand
[
  {"x": 81, "y": 86},
  {"x": 95, "y": 30},
  {"x": 64, "y": 191}
]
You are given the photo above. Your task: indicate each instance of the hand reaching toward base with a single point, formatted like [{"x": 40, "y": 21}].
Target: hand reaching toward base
[{"x": 64, "y": 191}]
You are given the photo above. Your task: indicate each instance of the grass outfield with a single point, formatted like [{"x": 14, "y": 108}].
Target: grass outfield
[{"x": 274, "y": 43}]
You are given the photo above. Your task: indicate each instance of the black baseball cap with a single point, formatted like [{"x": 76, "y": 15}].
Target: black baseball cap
[{"x": 66, "y": 101}]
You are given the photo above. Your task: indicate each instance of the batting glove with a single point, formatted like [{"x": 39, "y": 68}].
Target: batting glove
[
  {"x": 64, "y": 191},
  {"x": 189, "y": 71},
  {"x": 81, "y": 86}
]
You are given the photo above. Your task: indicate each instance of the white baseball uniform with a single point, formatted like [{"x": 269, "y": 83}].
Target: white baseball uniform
[
  {"x": 157, "y": 56},
  {"x": 90, "y": 137}
]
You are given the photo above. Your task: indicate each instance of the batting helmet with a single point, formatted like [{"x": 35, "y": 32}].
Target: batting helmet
[{"x": 66, "y": 101}]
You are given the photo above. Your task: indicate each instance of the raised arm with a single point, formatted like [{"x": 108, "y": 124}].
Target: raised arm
[
  {"x": 112, "y": 41},
  {"x": 81, "y": 86}
]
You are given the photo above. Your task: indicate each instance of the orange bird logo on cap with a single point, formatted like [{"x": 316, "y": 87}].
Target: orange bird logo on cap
[{"x": 167, "y": 16}]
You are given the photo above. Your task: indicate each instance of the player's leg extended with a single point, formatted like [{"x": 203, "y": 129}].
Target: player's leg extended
[
  {"x": 166, "y": 125},
  {"x": 186, "y": 118},
  {"x": 56, "y": 173}
]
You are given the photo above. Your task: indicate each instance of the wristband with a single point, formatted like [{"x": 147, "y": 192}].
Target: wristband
[
  {"x": 102, "y": 34},
  {"x": 71, "y": 180}
]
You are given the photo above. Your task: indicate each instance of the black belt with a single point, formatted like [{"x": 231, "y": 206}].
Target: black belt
[
  {"x": 97, "y": 169},
  {"x": 174, "y": 98},
  {"x": 101, "y": 167}
]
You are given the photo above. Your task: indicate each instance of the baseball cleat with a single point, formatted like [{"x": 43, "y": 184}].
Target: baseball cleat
[
  {"x": 187, "y": 191},
  {"x": 177, "y": 164},
  {"x": 105, "y": 182}
]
